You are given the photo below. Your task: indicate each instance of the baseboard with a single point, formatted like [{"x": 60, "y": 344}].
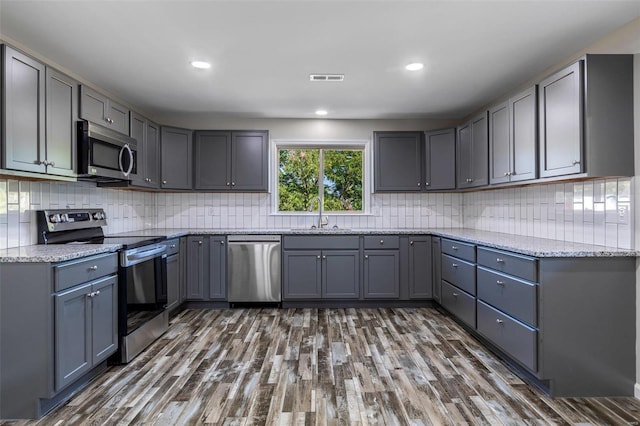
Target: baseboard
[{"x": 636, "y": 390}]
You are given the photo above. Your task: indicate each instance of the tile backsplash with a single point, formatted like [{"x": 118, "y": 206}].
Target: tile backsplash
[{"x": 596, "y": 212}]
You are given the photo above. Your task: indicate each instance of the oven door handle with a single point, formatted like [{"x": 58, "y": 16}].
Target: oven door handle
[{"x": 146, "y": 254}]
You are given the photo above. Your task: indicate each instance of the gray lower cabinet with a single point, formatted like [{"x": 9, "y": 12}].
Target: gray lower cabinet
[
  {"x": 381, "y": 274},
  {"x": 459, "y": 303},
  {"x": 458, "y": 284},
  {"x": 420, "y": 267},
  {"x": 38, "y": 118},
  {"x": 232, "y": 160},
  {"x": 586, "y": 118},
  {"x": 147, "y": 134},
  {"x": 472, "y": 153},
  {"x": 206, "y": 268},
  {"x": 174, "y": 281},
  {"x": 98, "y": 108},
  {"x": 176, "y": 158},
  {"x": 68, "y": 313},
  {"x": 436, "y": 256}
]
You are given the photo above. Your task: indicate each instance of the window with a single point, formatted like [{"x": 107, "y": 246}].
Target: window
[{"x": 333, "y": 173}]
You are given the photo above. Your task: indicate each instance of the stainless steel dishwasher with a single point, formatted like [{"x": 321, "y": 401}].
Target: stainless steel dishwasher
[{"x": 254, "y": 268}]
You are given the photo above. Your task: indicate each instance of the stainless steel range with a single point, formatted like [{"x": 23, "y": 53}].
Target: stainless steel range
[{"x": 142, "y": 273}]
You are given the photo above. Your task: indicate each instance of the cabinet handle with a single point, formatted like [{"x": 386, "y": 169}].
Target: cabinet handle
[
  {"x": 109, "y": 120},
  {"x": 499, "y": 321},
  {"x": 200, "y": 243},
  {"x": 97, "y": 293},
  {"x": 500, "y": 260},
  {"x": 500, "y": 283},
  {"x": 93, "y": 268},
  {"x": 324, "y": 257},
  {"x": 469, "y": 180},
  {"x": 52, "y": 163},
  {"x": 427, "y": 184},
  {"x": 454, "y": 247},
  {"x": 455, "y": 265},
  {"x": 410, "y": 243},
  {"x": 506, "y": 174},
  {"x": 228, "y": 183},
  {"x": 381, "y": 242},
  {"x": 172, "y": 246},
  {"x": 366, "y": 256},
  {"x": 164, "y": 182},
  {"x": 89, "y": 294},
  {"x": 318, "y": 257},
  {"x": 455, "y": 294},
  {"x": 418, "y": 184},
  {"x": 233, "y": 184},
  {"x": 221, "y": 243},
  {"x": 575, "y": 162}
]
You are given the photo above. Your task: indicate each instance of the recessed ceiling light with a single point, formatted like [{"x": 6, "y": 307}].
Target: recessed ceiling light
[
  {"x": 201, "y": 65},
  {"x": 414, "y": 66},
  {"x": 321, "y": 112}
]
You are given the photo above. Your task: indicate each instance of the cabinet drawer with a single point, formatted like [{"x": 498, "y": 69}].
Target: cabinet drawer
[
  {"x": 510, "y": 263},
  {"x": 459, "y": 303},
  {"x": 381, "y": 242},
  {"x": 321, "y": 242},
  {"x": 460, "y": 250},
  {"x": 516, "y": 297},
  {"x": 173, "y": 246},
  {"x": 510, "y": 335},
  {"x": 80, "y": 271},
  {"x": 459, "y": 273}
]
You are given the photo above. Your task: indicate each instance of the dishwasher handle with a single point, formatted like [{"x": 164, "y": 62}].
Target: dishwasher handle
[{"x": 253, "y": 239}]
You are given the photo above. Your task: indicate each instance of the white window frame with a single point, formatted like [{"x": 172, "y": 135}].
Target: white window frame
[{"x": 363, "y": 144}]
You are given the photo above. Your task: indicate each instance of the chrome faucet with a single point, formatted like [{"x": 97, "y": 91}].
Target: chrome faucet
[{"x": 320, "y": 221}]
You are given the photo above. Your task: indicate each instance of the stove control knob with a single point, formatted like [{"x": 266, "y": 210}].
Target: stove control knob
[
  {"x": 64, "y": 218},
  {"x": 98, "y": 216},
  {"x": 54, "y": 218}
]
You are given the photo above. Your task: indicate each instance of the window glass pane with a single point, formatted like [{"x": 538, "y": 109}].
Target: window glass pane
[
  {"x": 298, "y": 178},
  {"x": 342, "y": 180}
]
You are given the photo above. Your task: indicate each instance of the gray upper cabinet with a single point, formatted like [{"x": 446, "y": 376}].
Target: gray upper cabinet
[
  {"x": 39, "y": 116},
  {"x": 472, "y": 153},
  {"x": 440, "y": 159},
  {"x": 147, "y": 134},
  {"x": 176, "y": 156},
  {"x": 586, "y": 118},
  {"x": 512, "y": 139},
  {"x": 99, "y": 109},
  {"x": 397, "y": 161},
  {"x": 232, "y": 160},
  {"x": 23, "y": 115}
]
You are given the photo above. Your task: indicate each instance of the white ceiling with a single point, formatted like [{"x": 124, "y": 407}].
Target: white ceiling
[{"x": 263, "y": 51}]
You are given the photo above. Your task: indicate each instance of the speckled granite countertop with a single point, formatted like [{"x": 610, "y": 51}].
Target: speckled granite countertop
[
  {"x": 531, "y": 246},
  {"x": 54, "y": 253},
  {"x": 537, "y": 247}
]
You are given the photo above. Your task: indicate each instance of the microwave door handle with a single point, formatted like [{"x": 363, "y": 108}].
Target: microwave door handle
[{"x": 126, "y": 146}]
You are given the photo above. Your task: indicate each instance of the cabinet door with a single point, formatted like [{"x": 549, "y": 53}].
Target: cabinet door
[
  {"x": 397, "y": 161},
  {"x": 118, "y": 117},
  {"x": 463, "y": 156},
  {"x": 61, "y": 117},
  {"x": 218, "y": 268},
  {"x": 72, "y": 335},
  {"x": 250, "y": 161},
  {"x": 381, "y": 274},
  {"x": 499, "y": 144},
  {"x": 176, "y": 158},
  {"x": 420, "y": 268},
  {"x": 302, "y": 274},
  {"x": 440, "y": 159},
  {"x": 104, "y": 319},
  {"x": 93, "y": 106},
  {"x": 437, "y": 268},
  {"x": 24, "y": 112},
  {"x": 340, "y": 274},
  {"x": 152, "y": 155},
  {"x": 560, "y": 110},
  {"x": 522, "y": 113},
  {"x": 138, "y": 128},
  {"x": 173, "y": 282},
  {"x": 197, "y": 270},
  {"x": 212, "y": 160},
  {"x": 480, "y": 151},
  {"x": 184, "y": 255}
]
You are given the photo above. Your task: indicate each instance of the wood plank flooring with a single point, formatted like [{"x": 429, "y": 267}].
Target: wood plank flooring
[{"x": 325, "y": 367}]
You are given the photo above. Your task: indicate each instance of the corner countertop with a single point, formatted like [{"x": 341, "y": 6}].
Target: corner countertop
[{"x": 530, "y": 246}]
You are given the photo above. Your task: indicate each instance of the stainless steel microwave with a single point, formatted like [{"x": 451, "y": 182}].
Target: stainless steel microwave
[{"x": 104, "y": 154}]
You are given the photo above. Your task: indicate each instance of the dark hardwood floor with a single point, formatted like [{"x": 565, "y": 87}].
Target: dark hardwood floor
[{"x": 323, "y": 366}]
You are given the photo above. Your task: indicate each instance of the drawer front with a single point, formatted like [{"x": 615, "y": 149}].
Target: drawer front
[
  {"x": 320, "y": 242},
  {"x": 459, "y": 303},
  {"x": 459, "y": 273},
  {"x": 510, "y": 335},
  {"x": 80, "y": 271},
  {"x": 510, "y": 263},
  {"x": 381, "y": 242},
  {"x": 460, "y": 250},
  {"x": 173, "y": 246},
  {"x": 516, "y": 297}
]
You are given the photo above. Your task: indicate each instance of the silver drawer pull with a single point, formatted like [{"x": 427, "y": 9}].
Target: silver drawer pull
[
  {"x": 410, "y": 243},
  {"x": 93, "y": 268},
  {"x": 381, "y": 241},
  {"x": 97, "y": 293},
  {"x": 366, "y": 256},
  {"x": 318, "y": 256},
  {"x": 221, "y": 243},
  {"x": 455, "y": 265},
  {"x": 172, "y": 246},
  {"x": 500, "y": 260},
  {"x": 454, "y": 247},
  {"x": 499, "y": 321},
  {"x": 324, "y": 257},
  {"x": 455, "y": 294},
  {"x": 500, "y": 283},
  {"x": 199, "y": 242}
]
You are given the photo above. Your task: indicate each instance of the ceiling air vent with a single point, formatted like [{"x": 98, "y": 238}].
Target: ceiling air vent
[{"x": 326, "y": 77}]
